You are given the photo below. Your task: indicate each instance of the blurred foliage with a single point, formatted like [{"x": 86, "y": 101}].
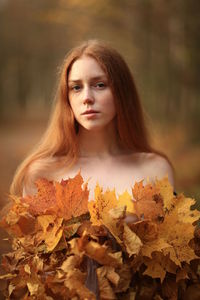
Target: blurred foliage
[{"x": 159, "y": 39}]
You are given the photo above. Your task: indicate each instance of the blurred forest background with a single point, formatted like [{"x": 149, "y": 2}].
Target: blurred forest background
[{"x": 160, "y": 41}]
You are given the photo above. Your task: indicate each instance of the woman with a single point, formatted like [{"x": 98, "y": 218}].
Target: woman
[{"x": 97, "y": 126}]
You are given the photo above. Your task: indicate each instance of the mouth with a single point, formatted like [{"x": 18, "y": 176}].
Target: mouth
[{"x": 89, "y": 112}]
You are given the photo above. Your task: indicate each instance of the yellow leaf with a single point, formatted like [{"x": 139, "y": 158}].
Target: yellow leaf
[
  {"x": 125, "y": 199},
  {"x": 51, "y": 230},
  {"x": 8, "y": 276},
  {"x": 33, "y": 288},
  {"x": 159, "y": 265},
  {"x": 131, "y": 241},
  {"x": 27, "y": 269},
  {"x": 183, "y": 209},
  {"x": 101, "y": 205},
  {"x": 11, "y": 288},
  {"x": 156, "y": 245},
  {"x": 101, "y": 254},
  {"x": 177, "y": 235},
  {"x": 166, "y": 191},
  {"x": 112, "y": 221}
]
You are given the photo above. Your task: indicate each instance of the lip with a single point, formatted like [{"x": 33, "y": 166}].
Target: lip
[{"x": 90, "y": 112}]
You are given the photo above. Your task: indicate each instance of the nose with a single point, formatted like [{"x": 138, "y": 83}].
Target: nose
[{"x": 88, "y": 97}]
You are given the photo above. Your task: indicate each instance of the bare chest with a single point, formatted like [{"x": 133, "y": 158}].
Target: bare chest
[{"x": 109, "y": 174}]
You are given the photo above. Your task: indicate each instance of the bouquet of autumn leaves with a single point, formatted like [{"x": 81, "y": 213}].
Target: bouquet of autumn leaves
[{"x": 139, "y": 246}]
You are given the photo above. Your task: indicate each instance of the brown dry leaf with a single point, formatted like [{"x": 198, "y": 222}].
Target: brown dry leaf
[
  {"x": 75, "y": 282},
  {"x": 125, "y": 275},
  {"x": 170, "y": 289},
  {"x": 146, "y": 230},
  {"x": 182, "y": 273},
  {"x": 102, "y": 254},
  {"x": 148, "y": 202},
  {"x": 159, "y": 265},
  {"x": 106, "y": 291},
  {"x": 131, "y": 241},
  {"x": 70, "y": 263},
  {"x": 16, "y": 219},
  {"x": 112, "y": 275},
  {"x": 70, "y": 230}
]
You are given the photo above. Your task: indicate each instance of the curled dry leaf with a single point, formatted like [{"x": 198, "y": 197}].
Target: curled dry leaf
[{"x": 139, "y": 247}]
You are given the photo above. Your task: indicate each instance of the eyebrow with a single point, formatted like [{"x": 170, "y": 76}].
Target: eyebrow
[{"x": 92, "y": 78}]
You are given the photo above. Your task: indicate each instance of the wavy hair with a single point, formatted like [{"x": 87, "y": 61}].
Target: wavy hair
[{"x": 59, "y": 143}]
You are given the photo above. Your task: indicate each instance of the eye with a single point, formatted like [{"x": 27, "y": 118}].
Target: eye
[
  {"x": 100, "y": 85},
  {"x": 75, "y": 88}
]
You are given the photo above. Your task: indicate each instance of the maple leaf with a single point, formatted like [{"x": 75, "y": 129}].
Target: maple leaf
[
  {"x": 70, "y": 263},
  {"x": 125, "y": 199},
  {"x": 75, "y": 282},
  {"x": 44, "y": 200},
  {"x": 66, "y": 199},
  {"x": 182, "y": 273},
  {"x": 131, "y": 241},
  {"x": 106, "y": 291},
  {"x": 145, "y": 229},
  {"x": 178, "y": 235},
  {"x": 170, "y": 289},
  {"x": 159, "y": 265},
  {"x": 166, "y": 191},
  {"x": 156, "y": 245},
  {"x": 53, "y": 234},
  {"x": 124, "y": 272},
  {"x": 72, "y": 200},
  {"x": 99, "y": 207},
  {"x": 100, "y": 253},
  {"x": 51, "y": 231},
  {"x": 148, "y": 202},
  {"x": 16, "y": 219},
  {"x": 182, "y": 209}
]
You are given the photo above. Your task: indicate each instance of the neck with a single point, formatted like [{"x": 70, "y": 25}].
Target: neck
[{"x": 98, "y": 143}]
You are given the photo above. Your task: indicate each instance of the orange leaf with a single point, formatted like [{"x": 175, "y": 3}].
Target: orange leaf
[{"x": 66, "y": 199}]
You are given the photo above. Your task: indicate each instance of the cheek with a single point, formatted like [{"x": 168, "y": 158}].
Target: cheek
[
  {"x": 73, "y": 106},
  {"x": 110, "y": 105}
]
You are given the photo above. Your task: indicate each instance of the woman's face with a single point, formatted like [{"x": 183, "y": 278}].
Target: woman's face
[{"x": 90, "y": 94}]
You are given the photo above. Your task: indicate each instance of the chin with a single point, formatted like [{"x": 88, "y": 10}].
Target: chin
[{"x": 94, "y": 127}]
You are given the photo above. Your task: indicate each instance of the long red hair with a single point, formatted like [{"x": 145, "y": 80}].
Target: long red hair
[{"x": 59, "y": 143}]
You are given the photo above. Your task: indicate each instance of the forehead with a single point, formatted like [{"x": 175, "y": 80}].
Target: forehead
[{"x": 85, "y": 67}]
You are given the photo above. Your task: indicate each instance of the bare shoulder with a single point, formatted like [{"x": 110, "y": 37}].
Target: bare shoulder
[
  {"x": 158, "y": 166},
  {"x": 40, "y": 168}
]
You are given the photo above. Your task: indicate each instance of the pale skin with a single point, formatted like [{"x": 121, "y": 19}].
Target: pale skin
[{"x": 101, "y": 159}]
